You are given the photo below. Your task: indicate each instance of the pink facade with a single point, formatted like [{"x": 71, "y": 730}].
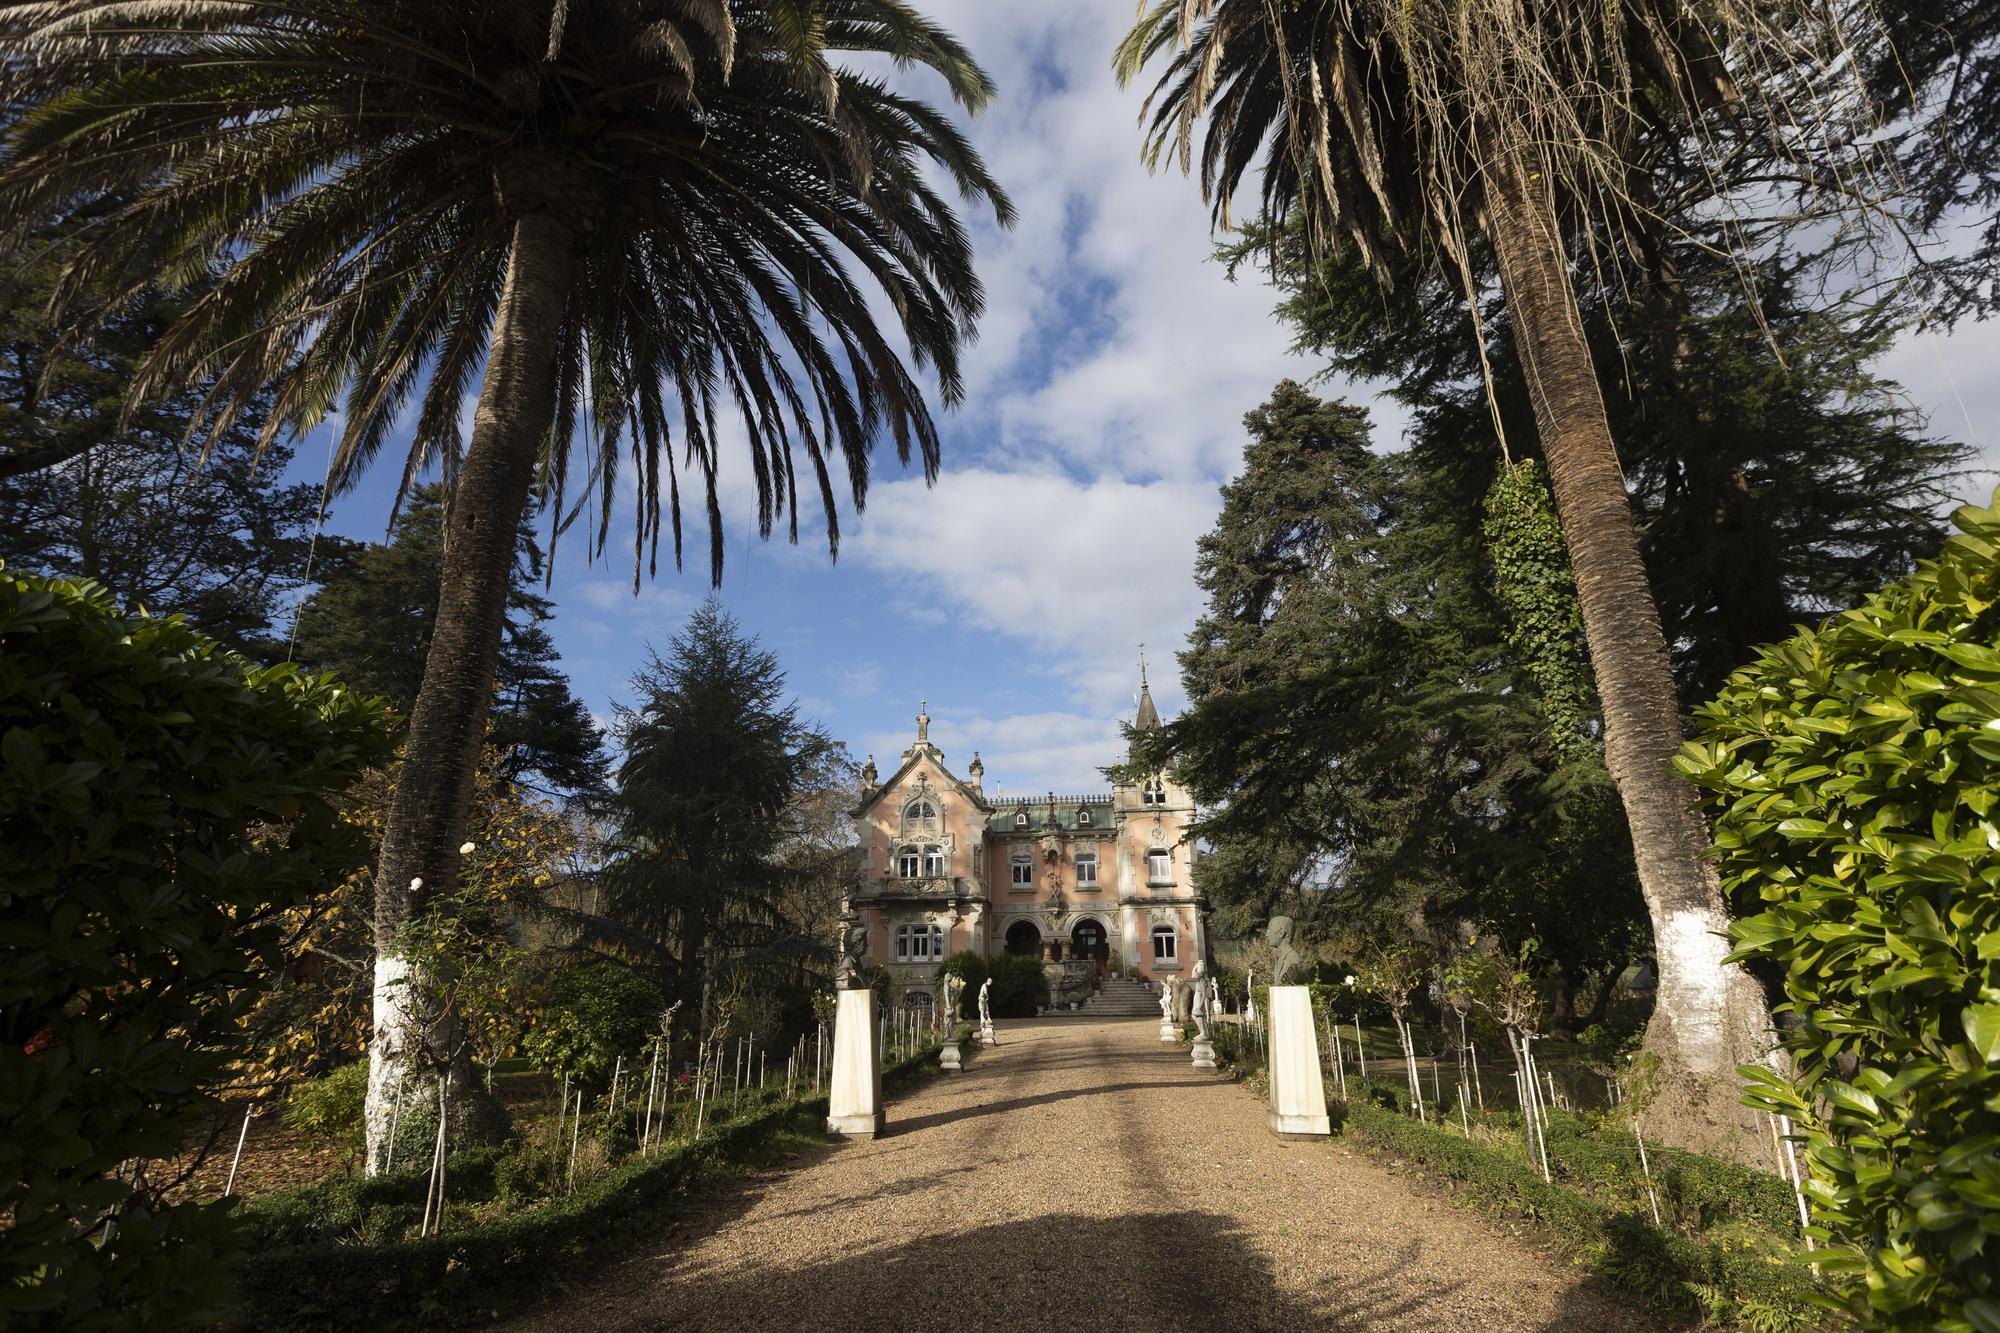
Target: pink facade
[{"x": 1090, "y": 883}]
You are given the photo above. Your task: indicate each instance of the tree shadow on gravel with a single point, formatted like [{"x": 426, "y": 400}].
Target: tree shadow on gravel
[
  {"x": 1145, "y": 1272},
  {"x": 895, "y": 1127}
]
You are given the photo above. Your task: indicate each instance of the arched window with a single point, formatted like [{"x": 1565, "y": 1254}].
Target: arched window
[
  {"x": 1159, "y": 866},
  {"x": 934, "y": 863},
  {"x": 1154, "y": 792},
  {"x": 1165, "y": 948},
  {"x": 1083, "y": 817},
  {"x": 1023, "y": 866},
  {"x": 920, "y": 817},
  {"x": 908, "y": 862},
  {"x": 1086, "y": 870},
  {"x": 1020, "y": 819}
]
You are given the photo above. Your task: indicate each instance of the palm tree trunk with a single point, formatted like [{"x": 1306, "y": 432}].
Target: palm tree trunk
[
  {"x": 413, "y": 1037},
  {"x": 1709, "y": 1016}
]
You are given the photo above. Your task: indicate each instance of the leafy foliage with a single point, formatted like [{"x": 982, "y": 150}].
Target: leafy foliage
[
  {"x": 715, "y": 860},
  {"x": 1533, "y": 581},
  {"x": 595, "y": 1012},
  {"x": 370, "y": 621},
  {"x": 1365, "y": 746},
  {"x": 162, "y": 803},
  {"x": 1854, "y": 774},
  {"x": 327, "y": 1110},
  {"x": 1020, "y": 987},
  {"x": 86, "y": 493},
  {"x": 736, "y": 198},
  {"x": 971, "y": 968},
  {"x": 314, "y": 1018}
]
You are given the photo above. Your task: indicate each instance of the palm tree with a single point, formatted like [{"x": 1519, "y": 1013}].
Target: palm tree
[
  {"x": 625, "y": 218},
  {"x": 1415, "y": 131}
]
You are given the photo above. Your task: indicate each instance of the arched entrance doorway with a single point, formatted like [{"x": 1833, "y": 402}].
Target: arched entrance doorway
[
  {"x": 1024, "y": 938},
  {"x": 1087, "y": 940}
]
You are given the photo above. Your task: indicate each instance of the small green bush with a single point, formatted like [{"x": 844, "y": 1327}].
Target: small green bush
[
  {"x": 1854, "y": 772},
  {"x": 162, "y": 804},
  {"x": 328, "y": 1110},
  {"x": 1020, "y": 987},
  {"x": 595, "y": 1012}
]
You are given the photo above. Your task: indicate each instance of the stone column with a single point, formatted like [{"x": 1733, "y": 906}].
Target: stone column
[
  {"x": 1298, "y": 1098},
  {"x": 854, "y": 1091}
]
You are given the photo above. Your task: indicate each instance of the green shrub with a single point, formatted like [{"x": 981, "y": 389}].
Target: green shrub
[
  {"x": 1854, "y": 772},
  {"x": 1020, "y": 987},
  {"x": 328, "y": 1110},
  {"x": 970, "y": 968},
  {"x": 162, "y": 802},
  {"x": 595, "y": 1012}
]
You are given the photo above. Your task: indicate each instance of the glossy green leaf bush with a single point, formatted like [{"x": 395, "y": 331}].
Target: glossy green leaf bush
[
  {"x": 1853, "y": 772},
  {"x": 161, "y": 802},
  {"x": 595, "y": 1012}
]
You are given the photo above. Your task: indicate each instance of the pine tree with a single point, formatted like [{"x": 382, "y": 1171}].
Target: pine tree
[{"x": 371, "y": 618}]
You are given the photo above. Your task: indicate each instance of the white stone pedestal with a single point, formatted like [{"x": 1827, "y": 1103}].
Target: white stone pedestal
[
  {"x": 1204, "y": 1053},
  {"x": 1169, "y": 1030},
  {"x": 854, "y": 1090},
  {"x": 949, "y": 1056},
  {"x": 1298, "y": 1098},
  {"x": 986, "y": 1037}
]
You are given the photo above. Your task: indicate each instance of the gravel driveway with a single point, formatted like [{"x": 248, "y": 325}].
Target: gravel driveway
[{"x": 1082, "y": 1176}]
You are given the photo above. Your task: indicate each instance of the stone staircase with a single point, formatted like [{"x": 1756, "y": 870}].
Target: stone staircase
[{"x": 1123, "y": 997}]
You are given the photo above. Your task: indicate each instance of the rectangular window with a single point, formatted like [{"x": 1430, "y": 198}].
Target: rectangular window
[
  {"x": 978, "y": 862},
  {"x": 906, "y": 863},
  {"x": 1163, "y": 944},
  {"x": 1159, "y": 867},
  {"x": 934, "y": 862},
  {"x": 1024, "y": 870},
  {"x": 1086, "y": 869}
]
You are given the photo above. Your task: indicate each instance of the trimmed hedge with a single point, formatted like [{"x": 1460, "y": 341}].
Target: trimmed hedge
[
  {"x": 1621, "y": 1247},
  {"x": 470, "y": 1276}
]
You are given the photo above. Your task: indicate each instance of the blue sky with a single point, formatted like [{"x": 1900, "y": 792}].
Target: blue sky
[{"x": 1104, "y": 407}]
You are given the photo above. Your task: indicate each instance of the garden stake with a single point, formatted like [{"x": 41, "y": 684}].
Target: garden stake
[
  {"x": 1798, "y": 1184},
  {"x": 1360, "y": 1051},
  {"x": 652, "y": 1081},
  {"x": 241, "y": 1135},
  {"x": 562, "y": 1113},
  {"x": 1463, "y": 1118},
  {"x": 1644, "y": 1166},
  {"x": 616, "y": 1070},
  {"x": 575, "y": 1133},
  {"x": 1478, "y": 1090},
  {"x": 432, "y": 1186}
]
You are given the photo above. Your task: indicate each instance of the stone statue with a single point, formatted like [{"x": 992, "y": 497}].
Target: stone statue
[
  {"x": 1166, "y": 999},
  {"x": 1284, "y": 957},
  {"x": 985, "y": 1004},
  {"x": 1250, "y": 996},
  {"x": 853, "y": 946},
  {"x": 949, "y": 992},
  {"x": 1200, "y": 1001},
  {"x": 1214, "y": 996}
]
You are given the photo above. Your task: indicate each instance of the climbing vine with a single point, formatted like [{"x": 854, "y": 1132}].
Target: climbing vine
[{"x": 1537, "y": 590}]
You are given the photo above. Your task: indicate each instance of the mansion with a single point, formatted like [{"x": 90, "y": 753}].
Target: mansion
[{"x": 1087, "y": 883}]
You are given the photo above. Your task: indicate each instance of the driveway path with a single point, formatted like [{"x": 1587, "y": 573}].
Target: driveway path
[{"x": 1081, "y": 1176}]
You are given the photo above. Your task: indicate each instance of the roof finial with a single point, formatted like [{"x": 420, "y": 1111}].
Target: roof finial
[
  {"x": 1142, "y": 666},
  {"x": 923, "y": 721}
]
